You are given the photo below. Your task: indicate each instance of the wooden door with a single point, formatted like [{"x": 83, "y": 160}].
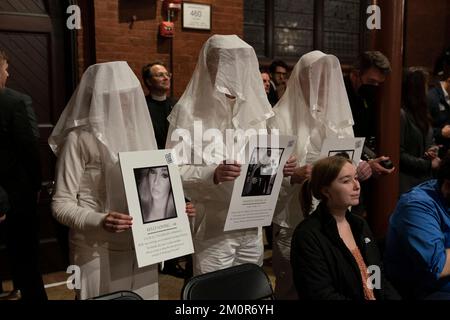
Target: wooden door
[{"x": 32, "y": 33}]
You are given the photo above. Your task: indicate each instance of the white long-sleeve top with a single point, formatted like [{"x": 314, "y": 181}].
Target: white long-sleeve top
[{"x": 79, "y": 199}]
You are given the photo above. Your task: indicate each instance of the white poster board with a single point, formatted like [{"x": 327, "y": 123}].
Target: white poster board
[
  {"x": 155, "y": 200},
  {"x": 351, "y": 146},
  {"x": 256, "y": 190}
]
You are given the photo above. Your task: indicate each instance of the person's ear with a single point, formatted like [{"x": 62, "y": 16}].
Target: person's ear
[{"x": 325, "y": 191}]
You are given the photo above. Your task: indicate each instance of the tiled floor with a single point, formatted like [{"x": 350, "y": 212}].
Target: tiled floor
[{"x": 169, "y": 286}]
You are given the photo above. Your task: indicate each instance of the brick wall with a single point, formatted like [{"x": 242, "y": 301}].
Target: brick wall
[{"x": 139, "y": 43}]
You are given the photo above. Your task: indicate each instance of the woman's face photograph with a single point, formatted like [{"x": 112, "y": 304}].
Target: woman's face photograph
[
  {"x": 159, "y": 181},
  {"x": 155, "y": 194}
]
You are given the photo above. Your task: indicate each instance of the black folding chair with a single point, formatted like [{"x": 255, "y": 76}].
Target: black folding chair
[
  {"x": 243, "y": 282},
  {"x": 119, "y": 295}
]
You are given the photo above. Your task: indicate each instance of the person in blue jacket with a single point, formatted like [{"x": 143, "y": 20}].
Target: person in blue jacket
[{"x": 417, "y": 259}]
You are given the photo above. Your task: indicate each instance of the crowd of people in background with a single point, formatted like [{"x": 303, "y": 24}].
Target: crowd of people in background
[{"x": 322, "y": 246}]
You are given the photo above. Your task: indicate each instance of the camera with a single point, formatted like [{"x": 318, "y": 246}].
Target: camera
[
  {"x": 387, "y": 164},
  {"x": 369, "y": 154}
]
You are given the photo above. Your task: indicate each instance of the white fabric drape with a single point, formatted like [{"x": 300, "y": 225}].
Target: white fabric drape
[
  {"x": 226, "y": 65},
  {"x": 109, "y": 103},
  {"x": 315, "y": 99}
]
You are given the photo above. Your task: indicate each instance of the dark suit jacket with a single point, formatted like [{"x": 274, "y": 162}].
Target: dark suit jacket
[
  {"x": 20, "y": 169},
  {"x": 323, "y": 267}
]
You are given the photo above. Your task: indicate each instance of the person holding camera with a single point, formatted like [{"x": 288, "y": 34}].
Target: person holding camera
[{"x": 362, "y": 83}]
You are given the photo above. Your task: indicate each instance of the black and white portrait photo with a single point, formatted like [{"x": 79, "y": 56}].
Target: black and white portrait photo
[
  {"x": 262, "y": 171},
  {"x": 155, "y": 193},
  {"x": 349, "y": 154}
]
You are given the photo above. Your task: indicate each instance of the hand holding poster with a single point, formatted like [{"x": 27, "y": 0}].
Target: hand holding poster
[
  {"x": 156, "y": 202},
  {"x": 256, "y": 190}
]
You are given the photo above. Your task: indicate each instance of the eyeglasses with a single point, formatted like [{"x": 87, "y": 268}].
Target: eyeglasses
[{"x": 162, "y": 75}]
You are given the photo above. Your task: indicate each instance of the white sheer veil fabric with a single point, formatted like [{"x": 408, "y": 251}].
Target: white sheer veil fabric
[
  {"x": 226, "y": 65},
  {"x": 315, "y": 99},
  {"x": 109, "y": 103}
]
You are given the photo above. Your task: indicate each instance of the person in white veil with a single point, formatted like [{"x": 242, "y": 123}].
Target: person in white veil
[
  {"x": 107, "y": 114},
  {"x": 225, "y": 92},
  {"x": 315, "y": 106}
]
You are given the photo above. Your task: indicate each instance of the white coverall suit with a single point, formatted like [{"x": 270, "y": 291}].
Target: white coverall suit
[
  {"x": 225, "y": 92},
  {"x": 106, "y": 114}
]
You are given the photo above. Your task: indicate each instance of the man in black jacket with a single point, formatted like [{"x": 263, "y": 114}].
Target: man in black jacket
[
  {"x": 20, "y": 177},
  {"x": 361, "y": 84}
]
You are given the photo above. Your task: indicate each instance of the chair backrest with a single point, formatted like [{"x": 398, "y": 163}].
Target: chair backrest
[
  {"x": 119, "y": 295},
  {"x": 243, "y": 282}
]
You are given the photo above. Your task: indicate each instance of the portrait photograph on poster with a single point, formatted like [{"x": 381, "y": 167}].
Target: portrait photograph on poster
[
  {"x": 349, "y": 154},
  {"x": 262, "y": 171},
  {"x": 255, "y": 192},
  {"x": 155, "y": 193},
  {"x": 350, "y": 148},
  {"x": 161, "y": 228}
]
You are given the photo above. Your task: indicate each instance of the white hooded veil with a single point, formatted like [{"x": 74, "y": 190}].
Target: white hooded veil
[
  {"x": 313, "y": 107},
  {"x": 315, "y": 99},
  {"x": 109, "y": 103},
  {"x": 226, "y": 65}
]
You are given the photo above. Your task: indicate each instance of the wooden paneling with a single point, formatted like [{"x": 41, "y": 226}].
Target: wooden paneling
[
  {"x": 11, "y": 22},
  {"x": 389, "y": 40},
  {"x": 23, "y": 6},
  {"x": 427, "y": 31}
]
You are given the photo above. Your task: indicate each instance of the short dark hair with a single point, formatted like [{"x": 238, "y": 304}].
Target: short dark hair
[
  {"x": 442, "y": 66},
  {"x": 443, "y": 172},
  {"x": 146, "y": 70},
  {"x": 3, "y": 56},
  {"x": 372, "y": 59},
  {"x": 264, "y": 70},
  {"x": 277, "y": 63}
]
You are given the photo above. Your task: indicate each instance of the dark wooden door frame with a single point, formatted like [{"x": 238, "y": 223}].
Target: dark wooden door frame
[{"x": 389, "y": 40}]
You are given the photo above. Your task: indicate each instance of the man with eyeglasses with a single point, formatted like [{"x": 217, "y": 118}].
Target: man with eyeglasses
[
  {"x": 278, "y": 75},
  {"x": 157, "y": 80}
]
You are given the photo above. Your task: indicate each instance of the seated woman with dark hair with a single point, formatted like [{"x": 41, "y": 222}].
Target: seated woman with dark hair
[{"x": 334, "y": 255}]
